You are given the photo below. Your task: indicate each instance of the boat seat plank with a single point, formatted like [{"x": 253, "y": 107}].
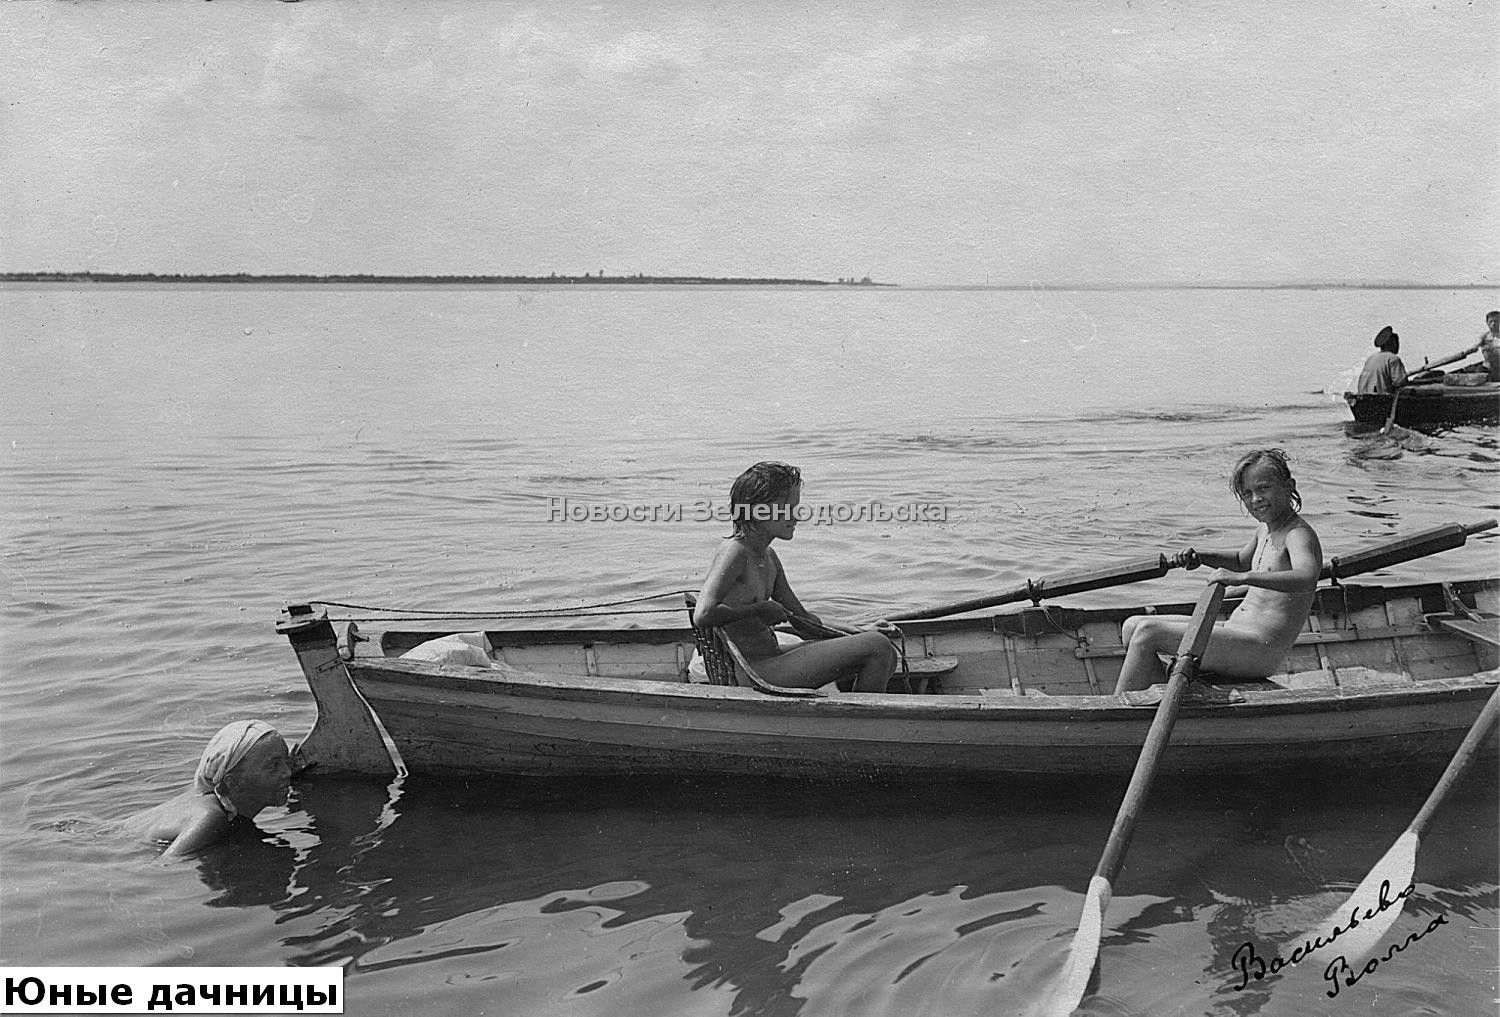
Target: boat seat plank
[
  {"x": 1349, "y": 676},
  {"x": 1303, "y": 639},
  {"x": 1480, "y": 629}
]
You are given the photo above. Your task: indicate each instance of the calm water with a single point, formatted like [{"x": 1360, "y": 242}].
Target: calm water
[{"x": 179, "y": 462}]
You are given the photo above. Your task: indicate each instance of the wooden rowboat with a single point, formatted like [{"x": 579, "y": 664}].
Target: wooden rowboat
[
  {"x": 1381, "y": 676},
  {"x": 1430, "y": 403}
]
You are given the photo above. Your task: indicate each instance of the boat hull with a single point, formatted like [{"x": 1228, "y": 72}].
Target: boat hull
[
  {"x": 1382, "y": 677},
  {"x": 1430, "y": 404},
  {"x": 535, "y": 725}
]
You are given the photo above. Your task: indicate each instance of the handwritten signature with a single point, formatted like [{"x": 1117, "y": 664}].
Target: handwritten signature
[{"x": 1251, "y": 965}]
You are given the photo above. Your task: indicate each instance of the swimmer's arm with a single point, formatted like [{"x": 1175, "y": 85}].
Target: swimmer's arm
[
  {"x": 1306, "y": 560},
  {"x": 712, "y": 611}
]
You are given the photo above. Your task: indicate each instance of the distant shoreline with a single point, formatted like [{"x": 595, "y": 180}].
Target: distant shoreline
[{"x": 245, "y": 278}]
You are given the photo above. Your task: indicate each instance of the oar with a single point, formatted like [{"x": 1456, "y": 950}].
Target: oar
[
  {"x": 1432, "y": 365},
  {"x": 1428, "y": 365},
  {"x": 1390, "y": 418},
  {"x": 1085, "y": 949},
  {"x": 1363, "y": 920},
  {"x": 1060, "y": 586},
  {"x": 1392, "y": 552},
  {"x": 1069, "y": 992},
  {"x": 1404, "y": 549}
]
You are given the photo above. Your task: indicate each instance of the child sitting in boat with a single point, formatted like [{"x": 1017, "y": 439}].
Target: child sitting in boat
[
  {"x": 746, "y": 592},
  {"x": 245, "y": 768},
  {"x": 1280, "y": 565}
]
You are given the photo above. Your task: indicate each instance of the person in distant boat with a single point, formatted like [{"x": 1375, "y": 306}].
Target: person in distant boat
[
  {"x": 747, "y": 592},
  {"x": 1383, "y": 371},
  {"x": 1280, "y": 565},
  {"x": 1488, "y": 348},
  {"x": 245, "y": 768}
]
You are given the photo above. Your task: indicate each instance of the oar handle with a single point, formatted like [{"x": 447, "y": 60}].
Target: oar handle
[
  {"x": 1462, "y": 760},
  {"x": 1184, "y": 666}
]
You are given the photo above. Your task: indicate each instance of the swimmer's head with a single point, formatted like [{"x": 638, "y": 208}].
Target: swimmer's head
[
  {"x": 246, "y": 766},
  {"x": 762, "y": 484},
  {"x": 1387, "y": 339},
  {"x": 1272, "y": 461}
]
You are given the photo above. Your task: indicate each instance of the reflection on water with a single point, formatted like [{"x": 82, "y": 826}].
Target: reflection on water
[{"x": 766, "y": 898}]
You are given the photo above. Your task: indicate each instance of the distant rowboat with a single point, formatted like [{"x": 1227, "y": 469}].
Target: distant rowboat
[
  {"x": 1382, "y": 676},
  {"x": 1430, "y": 403}
]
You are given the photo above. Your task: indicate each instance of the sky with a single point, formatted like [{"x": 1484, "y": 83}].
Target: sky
[{"x": 918, "y": 143}]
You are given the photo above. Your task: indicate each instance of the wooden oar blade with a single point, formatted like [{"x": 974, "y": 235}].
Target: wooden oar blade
[
  {"x": 1083, "y": 954},
  {"x": 1360, "y": 925}
]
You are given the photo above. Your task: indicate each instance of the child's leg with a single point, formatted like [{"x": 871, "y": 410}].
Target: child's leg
[
  {"x": 1243, "y": 652},
  {"x": 869, "y": 656},
  {"x": 1145, "y": 636}
]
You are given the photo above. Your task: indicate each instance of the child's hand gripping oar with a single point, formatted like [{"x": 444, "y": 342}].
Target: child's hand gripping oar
[{"x": 1085, "y": 949}]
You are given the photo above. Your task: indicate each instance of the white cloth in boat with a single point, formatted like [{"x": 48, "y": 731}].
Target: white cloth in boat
[
  {"x": 470, "y": 649},
  {"x": 465, "y": 649},
  {"x": 698, "y": 674},
  {"x": 223, "y": 752}
]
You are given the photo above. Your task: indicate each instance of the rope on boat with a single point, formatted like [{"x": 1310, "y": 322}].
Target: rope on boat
[{"x": 385, "y": 614}]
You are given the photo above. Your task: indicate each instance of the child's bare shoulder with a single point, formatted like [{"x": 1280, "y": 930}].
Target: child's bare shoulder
[
  {"x": 1304, "y": 527},
  {"x": 731, "y": 553}
]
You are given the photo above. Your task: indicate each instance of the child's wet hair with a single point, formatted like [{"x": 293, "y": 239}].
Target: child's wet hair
[
  {"x": 762, "y": 484},
  {"x": 1274, "y": 458}
]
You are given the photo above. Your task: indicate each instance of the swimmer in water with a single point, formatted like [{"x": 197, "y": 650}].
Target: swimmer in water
[{"x": 245, "y": 768}]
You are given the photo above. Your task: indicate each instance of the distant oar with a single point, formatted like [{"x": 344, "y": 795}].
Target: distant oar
[
  {"x": 1066, "y": 997},
  {"x": 1390, "y": 418},
  {"x": 1427, "y": 365},
  {"x": 1365, "y": 918}
]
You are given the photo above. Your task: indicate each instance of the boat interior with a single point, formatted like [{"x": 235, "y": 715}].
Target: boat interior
[{"x": 1355, "y": 635}]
